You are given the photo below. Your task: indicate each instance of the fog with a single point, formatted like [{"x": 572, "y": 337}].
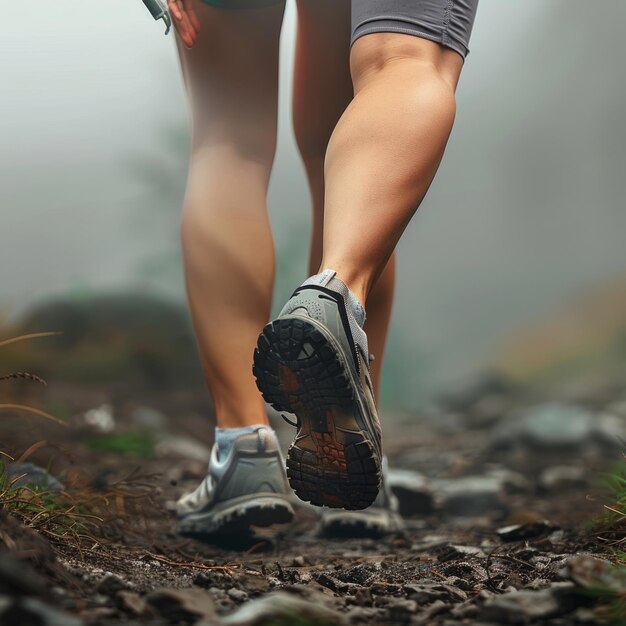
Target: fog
[{"x": 526, "y": 212}]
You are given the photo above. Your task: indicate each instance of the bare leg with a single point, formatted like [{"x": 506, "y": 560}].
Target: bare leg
[
  {"x": 385, "y": 151},
  {"x": 231, "y": 75},
  {"x": 322, "y": 91}
]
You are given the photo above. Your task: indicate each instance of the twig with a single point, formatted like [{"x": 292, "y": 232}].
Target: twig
[
  {"x": 25, "y": 375},
  {"x": 30, "y": 409},
  {"x": 162, "y": 559},
  {"x": 510, "y": 557},
  {"x": 31, "y": 450},
  {"x": 6, "y": 342}
]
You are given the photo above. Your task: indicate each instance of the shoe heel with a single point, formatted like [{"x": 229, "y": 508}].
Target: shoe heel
[{"x": 297, "y": 370}]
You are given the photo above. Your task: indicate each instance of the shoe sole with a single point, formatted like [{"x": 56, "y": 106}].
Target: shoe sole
[
  {"x": 332, "y": 461},
  {"x": 356, "y": 525},
  {"x": 238, "y": 518}
]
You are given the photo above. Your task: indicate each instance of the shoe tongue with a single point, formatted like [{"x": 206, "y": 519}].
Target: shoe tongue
[{"x": 322, "y": 279}]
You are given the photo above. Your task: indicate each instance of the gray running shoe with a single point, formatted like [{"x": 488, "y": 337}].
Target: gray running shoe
[
  {"x": 380, "y": 519},
  {"x": 248, "y": 488},
  {"x": 313, "y": 361}
]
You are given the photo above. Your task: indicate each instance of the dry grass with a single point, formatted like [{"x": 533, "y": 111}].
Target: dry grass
[
  {"x": 612, "y": 525},
  {"x": 81, "y": 513}
]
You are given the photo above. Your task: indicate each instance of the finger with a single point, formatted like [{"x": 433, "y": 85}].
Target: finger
[
  {"x": 191, "y": 12},
  {"x": 188, "y": 32},
  {"x": 174, "y": 9},
  {"x": 181, "y": 23},
  {"x": 190, "y": 17}
]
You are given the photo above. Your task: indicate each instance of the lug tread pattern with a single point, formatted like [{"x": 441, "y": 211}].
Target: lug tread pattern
[
  {"x": 238, "y": 520},
  {"x": 298, "y": 370}
]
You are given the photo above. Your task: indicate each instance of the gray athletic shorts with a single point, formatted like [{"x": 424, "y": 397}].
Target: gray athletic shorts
[{"x": 448, "y": 22}]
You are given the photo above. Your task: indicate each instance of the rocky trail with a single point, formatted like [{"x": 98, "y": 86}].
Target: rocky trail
[{"x": 498, "y": 489}]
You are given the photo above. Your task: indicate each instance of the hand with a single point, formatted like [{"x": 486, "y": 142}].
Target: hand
[{"x": 185, "y": 19}]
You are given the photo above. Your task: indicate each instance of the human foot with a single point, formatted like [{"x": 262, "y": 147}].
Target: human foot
[
  {"x": 380, "y": 519},
  {"x": 246, "y": 488},
  {"x": 313, "y": 361}
]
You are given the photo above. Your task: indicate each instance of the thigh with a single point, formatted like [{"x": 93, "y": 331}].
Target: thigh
[
  {"x": 322, "y": 83},
  {"x": 446, "y": 22},
  {"x": 231, "y": 76}
]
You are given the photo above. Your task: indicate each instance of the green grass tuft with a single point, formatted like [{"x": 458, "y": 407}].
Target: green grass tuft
[{"x": 140, "y": 444}]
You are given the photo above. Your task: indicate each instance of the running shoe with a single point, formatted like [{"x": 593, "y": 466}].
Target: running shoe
[
  {"x": 313, "y": 361},
  {"x": 247, "y": 488},
  {"x": 380, "y": 519}
]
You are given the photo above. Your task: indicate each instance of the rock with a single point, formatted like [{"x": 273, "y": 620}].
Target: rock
[
  {"x": 550, "y": 425},
  {"x": 116, "y": 338},
  {"x": 133, "y": 603},
  {"x": 281, "y": 606},
  {"x": 472, "y": 390},
  {"x": 425, "y": 617},
  {"x": 592, "y": 573},
  {"x": 451, "y": 552},
  {"x": 110, "y": 584},
  {"x": 211, "y": 579},
  {"x": 186, "y": 470},
  {"x": 399, "y": 610},
  {"x": 487, "y": 411},
  {"x": 562, "y": 477},
  {"x": 523, "y": 606},
  {"x": 363, "y": 597},
  {"x": 100, "y": 419},
  {"x": 27, "y": 611},
  {"x": 415, "y": 497},
  {"x": 471, "y": 496},
  {"x": 19, "y": 578},
  {"x": 178, "y": 605},
  {"x": 429, "y": 542},
  {"x": 617, "y": 408},
  {"x": 362, "y": 615},
  {"x": 97, "y": 614},
  {"x": 610, "y": 429},
  {"x": 585, "y": 616},
  {"x": 512, "y": 482},
  {"x": 147, "y": 417},
  {"x": 238, "y": 595},
  {"x": 33, "y": 475},
  {"x": 336, "y": 585},
  {"x": 184, "y": 448},
  {"x": 464, "y": 574},
  {"x": 556, "y": 537},
  {"x": 521, "y": 532},
  {"x": 465, "y": 609},
  {"x": 425, "y": 593}
]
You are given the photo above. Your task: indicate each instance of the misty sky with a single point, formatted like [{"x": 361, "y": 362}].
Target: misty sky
[{"x": 527, "y": 210}]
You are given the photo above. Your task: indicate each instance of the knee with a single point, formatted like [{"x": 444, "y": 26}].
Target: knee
[{"x": 225, "y": 187}]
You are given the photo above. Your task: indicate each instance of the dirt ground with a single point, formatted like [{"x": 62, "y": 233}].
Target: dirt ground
[{"x": 497, "y": 520}]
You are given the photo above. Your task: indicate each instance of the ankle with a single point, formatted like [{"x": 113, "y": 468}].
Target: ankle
[
  {"x": 225, "y": 437},
  {"x": 358, "y": 282},
  {"x": 326, "y": 276}
]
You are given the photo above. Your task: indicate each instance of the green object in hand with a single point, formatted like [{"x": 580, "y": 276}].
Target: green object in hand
[{"x": 159, "y": 12}]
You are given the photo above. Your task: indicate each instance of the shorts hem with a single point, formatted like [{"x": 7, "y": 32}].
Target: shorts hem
[
  {"x": 236, "y": 5},
  {"x": 396, "y": 26}
]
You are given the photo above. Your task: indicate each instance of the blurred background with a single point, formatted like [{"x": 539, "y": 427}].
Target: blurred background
[{"x": 515, "y": 262}]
